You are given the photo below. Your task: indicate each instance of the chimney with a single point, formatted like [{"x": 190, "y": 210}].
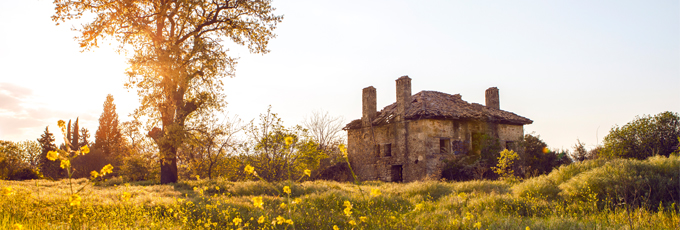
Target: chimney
[
  {"x": 492, "y": 99},
  {"x": 368, "y": 106},
  {"x": 403, "y": 96}
]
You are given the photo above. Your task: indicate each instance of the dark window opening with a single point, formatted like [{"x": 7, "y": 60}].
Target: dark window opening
[
  {"x": 396, "y": 173},
  {"x": 387, "y": 150},
  {"x": 444, "y": 145}
]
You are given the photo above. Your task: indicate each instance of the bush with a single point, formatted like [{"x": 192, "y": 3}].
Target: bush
[
  {"x": 136, "y": 169},
  {"x": 629, "y": 182},
  {"x": 25, "y": 174}
]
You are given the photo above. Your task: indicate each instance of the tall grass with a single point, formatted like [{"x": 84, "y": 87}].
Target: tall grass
[{"x": 588, "y": 195}]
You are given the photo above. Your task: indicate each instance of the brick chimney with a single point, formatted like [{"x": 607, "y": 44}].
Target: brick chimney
[
  {"x": 492, "y": 98},
  {"x": 403, "y": 95},
  {"x": 368, "y": 106}
]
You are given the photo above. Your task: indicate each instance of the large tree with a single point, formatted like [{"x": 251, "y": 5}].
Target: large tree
[{"x": 179, "y": 56}]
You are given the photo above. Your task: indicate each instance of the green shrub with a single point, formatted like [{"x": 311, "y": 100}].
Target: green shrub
[
  {"x": 541, "y": 186},
  {"x": 630, "y": 182}
]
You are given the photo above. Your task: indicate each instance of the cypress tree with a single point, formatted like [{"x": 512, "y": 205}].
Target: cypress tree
[
  {"x": 68, "y": 132},
  {"x": 75, "y": 137}
]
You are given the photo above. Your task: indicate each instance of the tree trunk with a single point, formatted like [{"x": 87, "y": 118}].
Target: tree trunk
[
  {"x": 168, "y": 164},
  {"x": 168, "y": 156}
]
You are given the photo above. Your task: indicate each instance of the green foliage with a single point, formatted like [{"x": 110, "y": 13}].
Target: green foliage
[
  {"x": 538, "y": 159},
  {"x": 10, "y": 159},
  {"x": 644, "y": 137}
]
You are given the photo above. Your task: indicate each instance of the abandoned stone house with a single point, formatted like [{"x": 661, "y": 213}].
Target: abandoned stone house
[{"x": 409, "y": 139}]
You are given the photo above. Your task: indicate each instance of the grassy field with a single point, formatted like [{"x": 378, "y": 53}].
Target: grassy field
[{"x": 616, "y": 194}]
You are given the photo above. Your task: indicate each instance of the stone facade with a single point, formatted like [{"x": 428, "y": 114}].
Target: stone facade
[{"x": 409, "y": 139}]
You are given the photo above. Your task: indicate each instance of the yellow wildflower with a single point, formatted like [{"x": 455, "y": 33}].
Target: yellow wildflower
[
  {"x": 289, "y": 141},
  {"x": 308, "y": 172},
  {"x": 65, "y": 164},
  {"x": 257, "y": 201},
  {"x": 84, "y": 149},
  {"x": 286, "y": 189},
  {"x": 52, "y": 155},
  {"x": 462, "y": 195},
  {"x": 343, "y": 149},
  {"x": 61, "y": 124},
  {"x": 352, "y": 222},
  {"x": 198, "y": 177},
  {"x": 335, "y": 227},
  {"x": 528, "y": 228},
  {"x": 260, "y": 220},
  {"x": 468, "y": 216},
  {"x": 348, "y": 208},
  {"x": 363, "y": 218},
  {"x": 94, "y": 174},
  {"x": 74, "y": 200},
  {"x": 249, "y": 169},
  {"x": 375, "y": 192},
  {"x": 217, "y": 188},
  {"x": 8, "y": 191},
  {"x": 280, "y": 220},
  {"x": 237, "y": 221},
  {"x": 18, "y": 226},
  {"x": 478, "y": 225},
  {"x": 126, "y": 196},
  {"x": 107, "y": 169},
  {"x": 289, "y": 221},
  {"x": 283, "y": 205}
]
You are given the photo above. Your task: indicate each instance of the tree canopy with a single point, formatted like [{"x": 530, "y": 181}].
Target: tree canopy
[
  {"x": 644, "y": 137},
  {"x": 178, "y": 56}
]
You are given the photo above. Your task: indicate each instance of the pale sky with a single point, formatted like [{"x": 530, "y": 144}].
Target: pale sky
[{"x": 576, "y": 68}]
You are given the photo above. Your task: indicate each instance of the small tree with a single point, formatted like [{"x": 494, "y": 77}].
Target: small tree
[
  {"x": 644, "y": 137},
  {"x": 48, "y": 168},
  {"x": 505, "y": 164},
  {"x": 580, "y": 153}
]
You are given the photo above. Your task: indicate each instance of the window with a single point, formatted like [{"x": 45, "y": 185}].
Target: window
[
  {"x": 387, "y": 150},
  {"x": 444, "y": 145}
]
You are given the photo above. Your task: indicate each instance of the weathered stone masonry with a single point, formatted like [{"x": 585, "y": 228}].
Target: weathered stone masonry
[{"x": 409, "y": 139}]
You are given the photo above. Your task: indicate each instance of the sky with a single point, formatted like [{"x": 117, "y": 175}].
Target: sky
[{"x": 576, "y": 68}]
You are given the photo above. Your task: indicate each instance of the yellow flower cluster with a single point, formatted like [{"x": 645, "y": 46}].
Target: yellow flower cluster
[
  {"x": 249, "y": 169},
  {"x": 74, "y": 200},
  {"x": 375, "y": 192},
  {"x": 257, "y": 201},
  {"x": 286, "y": 189},
  {"x": 348, "y": 208},
  {"x": 308, "y": 172},
  {"x": 289, "y": 141},
  {"x": 282, "y": 220}
]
